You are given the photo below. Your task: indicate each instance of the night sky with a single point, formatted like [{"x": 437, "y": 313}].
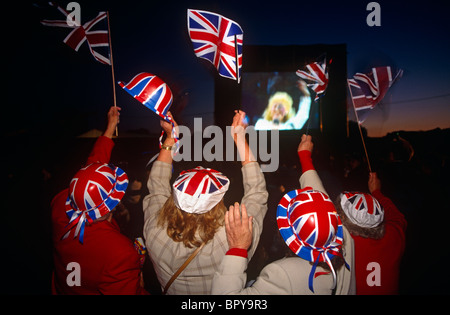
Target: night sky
[{"x": 51, "y": 87}]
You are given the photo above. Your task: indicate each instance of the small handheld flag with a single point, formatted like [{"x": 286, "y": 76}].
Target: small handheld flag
[
  {"x": 96, "y": 33},
  {"x": 316, "y": 76},
  {"x": 367, "y": 90},
  {"x": 218, "y": 40},
  {"x": 92, "y": 32}
]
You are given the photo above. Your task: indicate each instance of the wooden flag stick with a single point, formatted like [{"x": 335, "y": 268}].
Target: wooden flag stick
[
  {"x": 237, "y": 58},
  {"x": 112, "y": 68},
  {"x": 359, "y": 126},
  {"x": 364, "y": 143},
  {"x": 238, "y": 98},
  {"x": 360, "y": 131},
  {"x": 309, "y": 118}
]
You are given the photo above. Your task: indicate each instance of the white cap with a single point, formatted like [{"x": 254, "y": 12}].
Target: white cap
[
  {"x": 198, "y": 190},
  {"x": 362, "y": 209}
]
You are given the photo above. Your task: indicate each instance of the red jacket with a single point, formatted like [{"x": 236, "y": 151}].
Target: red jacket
[
  {"x": 107, "y": 261},
  {"x": 382, "y": 276}
]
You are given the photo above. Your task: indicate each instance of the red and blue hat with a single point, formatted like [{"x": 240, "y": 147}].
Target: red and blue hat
[
  {"x": 311, "y": 227},
  {"x": 153, "y": 93},
  {"x": 94, "y": 191}
]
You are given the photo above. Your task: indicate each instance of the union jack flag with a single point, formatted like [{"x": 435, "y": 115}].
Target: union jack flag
[
  {"x": 151, "y": 91},
  {"x": 316, "y": 76},
  {"x": 214, "y": 38},
  {"x": 367, "y": 90},
  {"x": 91, "y": 32},
  {"x": 200, "y": 181}
]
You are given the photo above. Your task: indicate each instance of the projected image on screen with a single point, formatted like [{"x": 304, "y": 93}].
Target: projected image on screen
[{"x": 275, "y": 100}]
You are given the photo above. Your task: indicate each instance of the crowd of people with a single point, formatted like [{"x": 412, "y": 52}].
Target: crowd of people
[{"x": 289, "y": 238}]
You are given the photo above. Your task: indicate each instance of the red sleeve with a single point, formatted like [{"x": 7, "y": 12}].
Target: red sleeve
[
  {"x": 101, "y": 152},
  {"x": 393, "y": 218},
  {"x": 305, "y": 160},
  {"x": 237, "y": 252}
]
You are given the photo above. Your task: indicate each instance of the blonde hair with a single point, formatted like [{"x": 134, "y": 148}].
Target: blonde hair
[
  {"x": 189, "y": 227},
  {"x": 279, "y": 97}
]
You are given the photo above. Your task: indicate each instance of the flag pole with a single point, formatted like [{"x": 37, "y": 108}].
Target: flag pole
[
  {"x": 320, "y": 116},
  {"x": 320, "y": 99},
  {"x": 360, "y": 131},
  {"x": 309, "y": 118},
  {"x": 112, "y": 68},
  {"x": 238, "y": 99},
  {"x": 237, "y": 58}
]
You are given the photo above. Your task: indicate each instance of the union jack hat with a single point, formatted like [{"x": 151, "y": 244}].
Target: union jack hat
[
  {"x": 151, "y": 91},
  {"x": 311, "y": 227},
  {"x": 198, "y": 190},
  {"x": 362, "y": 209},
  {"x": 154, "y": 94},
  {"x": 94, "y": 191}
]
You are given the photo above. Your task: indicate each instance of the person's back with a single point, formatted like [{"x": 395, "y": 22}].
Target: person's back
[
  {"x": 290, "y": 275},
  {"x": 103, "y": 253},
  {"x": 90, "y": 254},
  {"x": 378, "y": 229},
  {"x": 286, "y": 276},
  {"x": 167, "y": 257},
  {"x": 378, "y": 261},
  {"x": 197, "y": 194},
  {"x": 310, "y": 227},
  {"x": 377, "y": 265}
]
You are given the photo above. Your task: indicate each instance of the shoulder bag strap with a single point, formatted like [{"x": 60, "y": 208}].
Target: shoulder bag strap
[{"x": 176, "y": 274}]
